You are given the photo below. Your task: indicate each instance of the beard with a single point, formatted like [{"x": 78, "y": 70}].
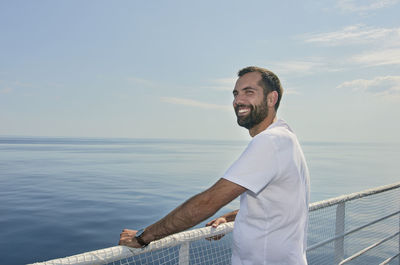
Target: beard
[{"x": 257, "y": 115}]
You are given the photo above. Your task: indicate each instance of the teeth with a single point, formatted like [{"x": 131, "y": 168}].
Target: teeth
[{"x": 243, "y": 110}]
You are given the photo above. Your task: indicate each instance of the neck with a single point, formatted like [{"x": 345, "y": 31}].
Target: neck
[{"x": 262, "y": 125}]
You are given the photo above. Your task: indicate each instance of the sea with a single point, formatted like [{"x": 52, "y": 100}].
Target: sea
[{"x": 65, "y": 196}]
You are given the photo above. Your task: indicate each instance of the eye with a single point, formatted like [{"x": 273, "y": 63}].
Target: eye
[{"x": 249, "y": 92}]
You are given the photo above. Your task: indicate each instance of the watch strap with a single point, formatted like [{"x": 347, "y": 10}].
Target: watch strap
[{"x": 139, "y": 238}]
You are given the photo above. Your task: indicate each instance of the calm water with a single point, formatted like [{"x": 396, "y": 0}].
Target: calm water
[{"x": 60, "y": 197}]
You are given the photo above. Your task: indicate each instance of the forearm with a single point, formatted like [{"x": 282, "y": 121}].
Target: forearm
[{"x": 190, "y": 213}]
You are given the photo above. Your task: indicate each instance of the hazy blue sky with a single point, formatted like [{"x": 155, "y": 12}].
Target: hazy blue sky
[{"x": 166, "y": 69}]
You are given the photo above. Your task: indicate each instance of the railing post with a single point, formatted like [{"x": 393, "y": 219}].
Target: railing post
[
  {"x": 184, "y": 254},
  {"x": 339, "y": 230}
]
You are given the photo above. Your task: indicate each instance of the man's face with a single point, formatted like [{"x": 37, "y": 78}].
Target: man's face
[{"x": 249, "y": 101}]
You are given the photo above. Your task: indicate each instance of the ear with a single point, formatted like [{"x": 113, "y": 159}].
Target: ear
[{"x": 272, "y": 98}]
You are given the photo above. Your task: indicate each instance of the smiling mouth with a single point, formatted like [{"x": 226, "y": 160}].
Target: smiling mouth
[{"x": 242, "y": 111}]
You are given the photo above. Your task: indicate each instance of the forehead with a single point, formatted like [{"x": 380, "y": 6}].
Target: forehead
[{"x": 251, "y": 79}]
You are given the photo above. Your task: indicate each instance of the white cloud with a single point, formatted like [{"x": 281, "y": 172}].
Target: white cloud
[
  {"x": 363, "y": 6},
  {"x": 22, "y": 84},
  {"x": 141, "y": 81},
  {"x": 382, "y": 43},
  {"x": 382, "y": 85},
  {"x": 356, "y": 34},
  {"x": 225, "y": 84},
  {"x": 226, "y": 81},
  {"x": 378, "y": 58},
  {"x": 194, "y": 103},
  {"x": 306, "y": 66},
  {"x": 291, "y": 91},
  {"x": 302, "y": 67},
  {"x": 6, "y": 90}
]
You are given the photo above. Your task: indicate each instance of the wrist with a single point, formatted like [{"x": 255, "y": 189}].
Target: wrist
[{"x": 141, "y": 238}]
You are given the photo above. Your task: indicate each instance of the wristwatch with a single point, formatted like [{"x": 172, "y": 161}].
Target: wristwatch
[{"x": 139, "y": 238}]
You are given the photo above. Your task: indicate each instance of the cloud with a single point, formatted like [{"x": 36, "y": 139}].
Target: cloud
[
  {"x": 382, "y": 85},
  {"x": 362, "y": 6},
  {"x": 306, "y": 66},
  {"x": 356, "y": 34},
  {"x": 224, "y": 84},
  {"x": 296, "y": 66},
  {"x": 141, "y": 81},
  {"x": 378, "y": 58},
  {"x": 6, "y": 90},
  {"x": 194, "y": 103},
  {"x": 291, "y": 91},
  {"x": 383, "y": 44},
  {"x": 23, "y": 84}
]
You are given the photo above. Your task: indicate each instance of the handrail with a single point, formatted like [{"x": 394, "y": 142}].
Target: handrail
[
  {"x": 338, "y": 238},
  {"x": 112, "y": 254},
  {"x": 357, "y": 195},
  {"x": 108, "y": 255},
  {"x": 389, "y": 259}
]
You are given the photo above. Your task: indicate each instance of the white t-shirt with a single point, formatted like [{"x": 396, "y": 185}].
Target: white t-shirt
[{"x": 271, "y": 226}]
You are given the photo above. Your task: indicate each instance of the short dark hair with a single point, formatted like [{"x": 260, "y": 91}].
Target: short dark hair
[{"x": 269, "y": 81}]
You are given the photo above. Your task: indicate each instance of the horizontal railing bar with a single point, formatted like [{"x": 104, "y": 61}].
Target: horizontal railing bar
[
  {"x": 344, "y": 198},
  {"x": 349, "y": 232},
  {"x": 389, "y": 259},
  {"x": 367, "y": 249},
  {"x": 108, "y": 255}
]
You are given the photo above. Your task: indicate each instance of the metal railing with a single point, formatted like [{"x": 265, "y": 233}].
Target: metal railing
[
  {"x": 375, "y": 212},
  {"x": 343, "y": 230}
]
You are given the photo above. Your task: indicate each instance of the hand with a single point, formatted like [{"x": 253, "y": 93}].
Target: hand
[
  {"x": 214, "y": 223},
  {"x": 127, "y": 238}
]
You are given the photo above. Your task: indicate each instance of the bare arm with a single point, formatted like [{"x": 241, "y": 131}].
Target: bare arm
[{"x": 190, "y": 213}]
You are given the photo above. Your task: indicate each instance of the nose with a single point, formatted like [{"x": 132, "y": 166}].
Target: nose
[{"x": 238, "y": 100}]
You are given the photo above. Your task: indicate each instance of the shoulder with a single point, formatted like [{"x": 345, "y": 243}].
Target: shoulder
[
  {"x": 262, "y": 142},
  {"x": 278, "y": 135}
]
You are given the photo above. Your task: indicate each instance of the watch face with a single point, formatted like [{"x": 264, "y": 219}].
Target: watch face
[
  {"x": 139, "y": 239},
  {"x": 139, "y": 233}
]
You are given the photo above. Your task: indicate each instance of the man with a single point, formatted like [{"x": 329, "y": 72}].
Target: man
[{"x": 271, "y": 176}]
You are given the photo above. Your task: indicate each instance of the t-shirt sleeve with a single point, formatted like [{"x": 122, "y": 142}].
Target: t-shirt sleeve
[{"x": 256, "y": 166}]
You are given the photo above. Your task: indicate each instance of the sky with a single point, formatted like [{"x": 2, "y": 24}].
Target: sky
[{"x": 166, "y": 69}]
